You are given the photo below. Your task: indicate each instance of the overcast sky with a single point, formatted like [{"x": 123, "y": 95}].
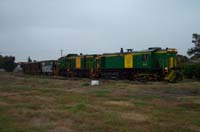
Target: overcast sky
[{"x": 40, "y": 28}]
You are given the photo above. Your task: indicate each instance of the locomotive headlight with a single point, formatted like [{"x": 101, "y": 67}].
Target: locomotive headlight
[{"x": 166, "y": 69}]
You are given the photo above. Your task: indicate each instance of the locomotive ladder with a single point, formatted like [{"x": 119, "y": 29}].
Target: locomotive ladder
[{"x": 173, "y": 76}]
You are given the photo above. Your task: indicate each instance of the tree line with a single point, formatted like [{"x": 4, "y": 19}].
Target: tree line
[
  {"x": 195, "y": 51},
  {"x": 7, "y": 63}
]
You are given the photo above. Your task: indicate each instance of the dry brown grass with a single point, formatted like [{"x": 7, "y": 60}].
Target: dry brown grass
[
  {"x": 118, "y": 103},
  {"x": 40, "y": 104},
  {"x": 136, "y": 117}
]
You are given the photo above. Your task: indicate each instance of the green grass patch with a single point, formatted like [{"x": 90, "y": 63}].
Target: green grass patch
[
  {"x": 9, "y": 124},
  {"x": 112, "y": 118},
  {"x": 85, "y": 84},
  {"x": 174, "y": 128},
  {"x": 15, "y": 88},
  {"x": 27, "y": 106},
  {"x": 190, "y": 106},
  {"x": 142, "y": 103},
  {"x": 182, "y": 91},
  {"x": 6, "y": 124},
  {"x": 100, "y": 92},
  {"x": 196, "y": 121},
  {"x": 42, "y": 128},
  {"x": 77, "y": 108},
  {"x": 51, "y": 92},
  {"x": 170, "y": 110},
  {"x": 37, "y": 129},
  {"x": 43, "y": 81},
  {"x": 115, "y": 122},
  {"x": 143, "y": 96},
  {"x": 71, "y": 97}
]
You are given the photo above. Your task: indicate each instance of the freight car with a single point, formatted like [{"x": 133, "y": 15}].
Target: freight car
[
  {"x": 49, "y": 67},
  {"x": 33, "y": 68}
]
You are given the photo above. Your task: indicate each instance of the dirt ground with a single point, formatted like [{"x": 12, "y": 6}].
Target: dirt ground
[{"x": 41, "y": 104}]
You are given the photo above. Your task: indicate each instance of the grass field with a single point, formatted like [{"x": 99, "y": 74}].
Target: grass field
[{"x": 39, "y": 104}]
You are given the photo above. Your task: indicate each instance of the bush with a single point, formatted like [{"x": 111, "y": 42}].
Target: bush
[
  {"x": 188, "y": 71},
  {"x": 7, "y": 63},
  {"x": 197, "y": 71},
  {"x": 192, "y": 70}
]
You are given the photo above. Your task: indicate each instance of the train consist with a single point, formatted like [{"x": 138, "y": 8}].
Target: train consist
[{"x": 152, "y": 64}]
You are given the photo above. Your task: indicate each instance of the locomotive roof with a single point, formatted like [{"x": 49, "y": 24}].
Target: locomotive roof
[
  {"x": 148, "y": 51},
  {"x": 167, "y": 50}
]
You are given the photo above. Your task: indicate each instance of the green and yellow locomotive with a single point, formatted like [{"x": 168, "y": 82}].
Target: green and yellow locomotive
[
  {"x": 74, "y": 65},
  {"x": 152, "y": 64}
]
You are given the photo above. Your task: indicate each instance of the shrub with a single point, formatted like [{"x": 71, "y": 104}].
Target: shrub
[
  {"x": 7, "y": 63},
  {"x": 197, "y": 71},
  {"x": 192, "y": 70}
]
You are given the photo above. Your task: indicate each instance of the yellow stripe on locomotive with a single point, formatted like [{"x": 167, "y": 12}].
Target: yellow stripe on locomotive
[{"x": 128, "y": 61}]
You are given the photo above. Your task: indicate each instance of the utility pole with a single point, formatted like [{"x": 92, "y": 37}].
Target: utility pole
[{"x": 61, "y": 52}]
